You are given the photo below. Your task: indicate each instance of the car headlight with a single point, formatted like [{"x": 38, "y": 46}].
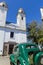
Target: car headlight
[{"x": 40, "y": 47}]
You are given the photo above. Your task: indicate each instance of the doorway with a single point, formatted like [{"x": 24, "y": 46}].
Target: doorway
[
  {"x": 5, "y": 49},
  {"x": 11, "y": 46}
]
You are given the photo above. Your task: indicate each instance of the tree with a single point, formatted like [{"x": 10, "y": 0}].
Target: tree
[
  {"x": 40, "y": 36},
  {"x": 32, "y": 31},
  {"x": 35, "y": 32}
]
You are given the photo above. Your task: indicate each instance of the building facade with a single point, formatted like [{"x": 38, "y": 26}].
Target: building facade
[{"x": 10, "y": 33}]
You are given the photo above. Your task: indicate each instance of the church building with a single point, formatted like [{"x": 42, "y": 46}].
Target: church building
[{"x": 10, "y": 33}]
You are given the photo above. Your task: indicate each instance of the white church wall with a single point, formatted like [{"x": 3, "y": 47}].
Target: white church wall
[
  {"x": 1, "y": 40},
  {"x": 19, "y": 36},
  {"x": 22, "y": 37},
  {"x": 7, "y": 35}
]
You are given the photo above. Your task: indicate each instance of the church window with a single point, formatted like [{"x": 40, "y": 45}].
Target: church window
[
  {"x": 3, "y": 5},
  {"x": 12, "y": 34},
  {"x": 22, "y": 18}
]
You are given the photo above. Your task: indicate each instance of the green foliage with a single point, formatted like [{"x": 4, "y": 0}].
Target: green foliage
[
  {"x": 40, "y": 36},
  {"x": 35, "y": 32},
  {"x": 32, "y": 29}
]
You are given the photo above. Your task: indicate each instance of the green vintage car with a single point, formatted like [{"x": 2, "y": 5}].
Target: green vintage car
[{"x": 27, "y": 54}]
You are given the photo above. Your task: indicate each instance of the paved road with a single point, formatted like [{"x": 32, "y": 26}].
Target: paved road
[{"x": 4, "y": 61}]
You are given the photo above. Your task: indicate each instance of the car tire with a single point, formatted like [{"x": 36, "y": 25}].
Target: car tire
[
  {"x": 12, "y": 63},
  {"x": 40, "y": 60},
  {"x": 18, "y": 63}
]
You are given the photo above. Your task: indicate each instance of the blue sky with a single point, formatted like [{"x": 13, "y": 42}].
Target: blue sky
[{"x": 31, "y": 8}]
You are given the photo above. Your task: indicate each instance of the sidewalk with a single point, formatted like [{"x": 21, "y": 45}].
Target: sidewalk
[{"x": 4, "y": 60}]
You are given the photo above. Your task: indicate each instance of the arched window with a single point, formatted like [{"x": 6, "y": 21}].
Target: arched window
[
  {"x": 22, "y": 18},
  {"x": 12, "y": 34}
]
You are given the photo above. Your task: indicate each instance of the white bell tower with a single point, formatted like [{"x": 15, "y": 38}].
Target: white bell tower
[
  {"x": 3, "y": 12},
  {"x": 41, "y": 10},
  {"x": 21, "y": 19}
]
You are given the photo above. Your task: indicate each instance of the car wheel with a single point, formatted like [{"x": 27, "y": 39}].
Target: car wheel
[
  {"x": 12, "y": 63},
  {"x": 40, "y": 60},
  {"x": 18, "y": 63}
]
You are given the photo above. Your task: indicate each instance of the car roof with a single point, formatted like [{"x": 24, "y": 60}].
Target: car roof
[{"x": 26, "y": 44}]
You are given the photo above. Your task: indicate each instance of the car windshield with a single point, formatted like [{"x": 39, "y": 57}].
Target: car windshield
[
  {"x": 15, "y": 49},
  {"x": 28, "y": 47}
]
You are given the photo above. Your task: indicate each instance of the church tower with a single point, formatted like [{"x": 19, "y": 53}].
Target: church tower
[
  {"x": 21, "y": 19},
  {"x": 41, "y": 9},
  {"x": 3, "y": 12}
]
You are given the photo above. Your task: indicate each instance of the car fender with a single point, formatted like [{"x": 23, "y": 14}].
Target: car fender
[
  {"x": 37, "y": 57},
  {"x": 23, "y": 62},
  {"x": 12, "y": 58}
]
